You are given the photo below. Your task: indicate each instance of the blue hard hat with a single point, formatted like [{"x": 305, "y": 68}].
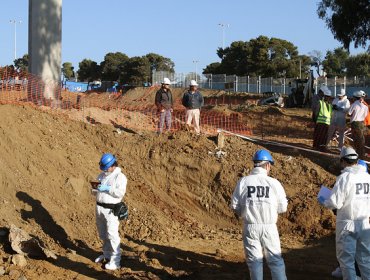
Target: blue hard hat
[
  {"x": 106, "y": 161},
  {"x": 363, "y": 163},
  {"x": 263, "y": 155}
]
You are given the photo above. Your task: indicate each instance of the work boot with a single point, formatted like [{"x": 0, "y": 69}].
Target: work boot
[
  {"x": 100, "y": 259},
  {"x": 337, "y": 273},
  {"x": 112, "y": 266}
]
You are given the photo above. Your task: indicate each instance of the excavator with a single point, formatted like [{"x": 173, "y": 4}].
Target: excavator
[{"x": 301, "y": 92}]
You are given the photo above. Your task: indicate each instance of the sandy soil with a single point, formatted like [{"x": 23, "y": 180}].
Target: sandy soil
[{"x": 180, "y": 226}]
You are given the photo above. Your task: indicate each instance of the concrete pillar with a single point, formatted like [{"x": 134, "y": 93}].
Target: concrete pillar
[{"x": 44, "y": 47}]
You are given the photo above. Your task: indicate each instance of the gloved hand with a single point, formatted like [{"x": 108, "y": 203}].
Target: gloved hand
[
  {"x": 321, "y": 200},
  {"x": 103, "y": 188},
  {"x": 335, "y": 107}
]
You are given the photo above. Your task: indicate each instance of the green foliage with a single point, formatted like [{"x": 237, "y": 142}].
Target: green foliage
[
  {"x": 349, "y": 21},
  {"x": 137, "y": 71},
  {"x": 261, "y": 56},
  {"x": 160, "y": 63},
  {"x": 21, "y": 64},
  {"x": 335, "y": 62},
  {"x": 113, "y": 65},
  {"x": 88, "y": 70},
  {"x": 213, "y": 68},
  {"x": 358, "y": 65},
  {"x": 67, "y": 70}
]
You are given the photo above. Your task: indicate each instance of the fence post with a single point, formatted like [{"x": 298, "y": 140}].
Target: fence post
[
  {"x": 284, "y": 86},
  {"x": 248, "y": 84},
  {"x": 344, "y": 82},
  {"x": 271, "y": 81},
  {"x": 224, "y": 81},
  {"x": 335, "y": 86},
  {"x": 210, "y": 81},
  {"x": 259, "y": 85},
  {"x": 236, "y": 83}
]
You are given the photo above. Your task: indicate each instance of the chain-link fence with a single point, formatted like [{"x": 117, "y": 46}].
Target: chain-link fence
[{"x": 260, "y": 84}]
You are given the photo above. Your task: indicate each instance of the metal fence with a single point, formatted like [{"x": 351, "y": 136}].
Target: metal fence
[{"x": 259, "y": 84}]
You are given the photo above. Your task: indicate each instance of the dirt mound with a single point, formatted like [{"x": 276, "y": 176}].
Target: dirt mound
[{"x": 178, "y": 195}]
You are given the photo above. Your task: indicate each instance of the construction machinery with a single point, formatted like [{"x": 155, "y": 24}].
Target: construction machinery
[{"x": 301, "y": 92}]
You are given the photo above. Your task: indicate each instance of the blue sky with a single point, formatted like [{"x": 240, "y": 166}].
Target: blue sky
[{"x": 184, "y": 31}]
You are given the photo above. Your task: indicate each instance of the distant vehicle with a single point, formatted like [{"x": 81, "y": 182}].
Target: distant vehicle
[{"x": 301, "y": 93}]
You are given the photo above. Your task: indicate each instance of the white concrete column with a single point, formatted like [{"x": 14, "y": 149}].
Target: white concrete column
[{"x": 45, "y": 46}]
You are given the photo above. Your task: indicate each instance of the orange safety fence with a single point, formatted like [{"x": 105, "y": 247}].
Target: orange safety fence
[{"x": 131, "y": 111}]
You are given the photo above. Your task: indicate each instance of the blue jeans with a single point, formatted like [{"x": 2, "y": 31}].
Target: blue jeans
[{"x": 165, "y": 117}]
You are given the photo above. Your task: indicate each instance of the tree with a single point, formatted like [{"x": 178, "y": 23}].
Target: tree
[
  {"x": 88, "y": 70},
  {"x": 213, "y": 68},
  {"x": 358, "y": 65},
  {"x": 349, "y": 21},
  {"x": 21, "y": 64},
  {"x": 68, "y": 70},
  {"x": 137, "y": 71},
  {"x": 260, "y": 56},
  {"x": 335, "y": 62},
  {"x": 113, "y": 65},
  {"x": 160, "y": 63}
]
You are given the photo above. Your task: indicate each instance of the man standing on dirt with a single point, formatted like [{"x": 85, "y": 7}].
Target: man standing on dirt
[
  {"x": 258, "y": 199},
  {"x": 164, "y": 103},
  {"x": 358, "y": 112},
  {"x": 109, "y": 193},
  {"x": 193, "y": 101},
  {"x": 351, "y": 197},
  {"x": 341, "y": 106},
  {"x": 322, "y": 121},
  {"x": 316, "y": 102}
]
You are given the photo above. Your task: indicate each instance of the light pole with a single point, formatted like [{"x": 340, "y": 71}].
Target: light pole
[
  {"x": 223, "y": 26},
  {"x": 196, "y": 69},
  {"x": 15, "y": 22}
]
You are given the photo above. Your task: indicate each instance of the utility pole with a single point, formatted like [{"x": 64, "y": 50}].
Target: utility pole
[
  {"x": 196, "y": 69},
  {"x": 15, "y": 22},
  {"x": 223, "y": 26}
]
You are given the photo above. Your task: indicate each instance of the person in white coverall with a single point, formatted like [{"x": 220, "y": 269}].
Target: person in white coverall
[
  {"x": 258, "y": 199},
  {"x": 111, "y": 190},
  {"x": 351, "y": 197},
  {"x": 341, "y": 106}
]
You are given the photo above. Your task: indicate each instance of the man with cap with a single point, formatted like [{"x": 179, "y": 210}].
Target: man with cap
[
  {"x": 193, "y": 101},
  {"x": 164, "y": 103},
  {"x": 358, "y": 112},
  {"x": 323, "y": 116},
  {"x": 109, "y": 192},
  {"x": 258, "y": 199},
  {"x": 351, "y": 197},
  {"x": 341, "y": 106}
]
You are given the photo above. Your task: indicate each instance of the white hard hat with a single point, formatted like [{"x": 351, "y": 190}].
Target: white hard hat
[
  {"x": 342, "y": 92},
  {"x": 166, "y": 81},
  {"x": 348, "y": 153},
  {"x": 327, "y": 92},
  {"x": 323, "y": 88},
  {"x": 359, "y": 93},
  {"x": 193, "y": 83}
]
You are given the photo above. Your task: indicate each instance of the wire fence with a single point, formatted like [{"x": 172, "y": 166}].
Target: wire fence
[{"x": 260, "y": 84}]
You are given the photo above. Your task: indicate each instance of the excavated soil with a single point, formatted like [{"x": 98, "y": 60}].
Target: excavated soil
[{"x": 180, "y": 225}]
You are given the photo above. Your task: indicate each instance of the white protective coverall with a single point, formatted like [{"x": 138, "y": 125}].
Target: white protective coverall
[
  {"x": 351, "y": 197},
  {"x": 258, "y": 199},
  {"x": 106, "y": 222}
]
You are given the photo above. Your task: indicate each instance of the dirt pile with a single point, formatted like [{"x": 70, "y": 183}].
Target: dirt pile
[{"x": 178, "y": 195}]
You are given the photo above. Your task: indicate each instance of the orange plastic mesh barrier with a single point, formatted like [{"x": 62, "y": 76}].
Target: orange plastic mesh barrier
[{"x": 137, "y": 113}]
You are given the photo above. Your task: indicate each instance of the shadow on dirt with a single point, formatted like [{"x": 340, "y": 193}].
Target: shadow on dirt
[
  {"x": 51, "y": 228},
  {"x": 195, "y": 265}
]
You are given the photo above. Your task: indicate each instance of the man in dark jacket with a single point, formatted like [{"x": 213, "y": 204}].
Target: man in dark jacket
[
  {"x": 164, "y": 103},
  {"x": 193, "y": 101}
]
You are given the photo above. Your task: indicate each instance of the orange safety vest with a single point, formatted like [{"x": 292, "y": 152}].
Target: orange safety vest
[{"x": 367, "y": 119}]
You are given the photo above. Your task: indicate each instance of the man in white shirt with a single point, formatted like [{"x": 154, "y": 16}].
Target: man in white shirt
[
  {"x": 358, "y": 112},
  {"x": 351, "y": 196},
  {"x": 258, "y": 199},
  {"x": 341, "y": 106}
]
